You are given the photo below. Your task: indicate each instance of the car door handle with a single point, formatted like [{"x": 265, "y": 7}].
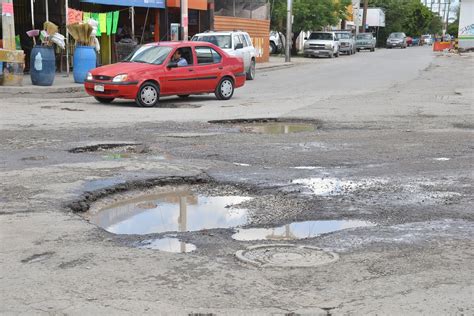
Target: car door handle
[
  {"x": 190, "y": 69},
  {"x": 221, "y": 67}
]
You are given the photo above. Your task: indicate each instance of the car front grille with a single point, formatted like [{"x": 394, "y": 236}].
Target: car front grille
[
  {"x": 103, "y": 78},
  {"x": 316, "y": 45}
]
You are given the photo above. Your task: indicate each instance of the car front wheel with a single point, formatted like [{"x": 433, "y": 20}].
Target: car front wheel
[
  {"x": 225, "y": 89},
  {"x": 148, "y": 95},
  {"x": 251, "y": 73}
]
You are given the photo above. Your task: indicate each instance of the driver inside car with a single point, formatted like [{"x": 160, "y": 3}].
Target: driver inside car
[{"x": 181, "y": 61}]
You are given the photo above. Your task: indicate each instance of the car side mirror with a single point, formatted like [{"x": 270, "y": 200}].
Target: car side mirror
[
  {"x": 305, "y": 38},
  {"x": 239, "y": 46},
  {"x": 172, "y": 64}
]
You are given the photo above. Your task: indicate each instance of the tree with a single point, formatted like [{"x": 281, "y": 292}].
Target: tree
[
  {"x": 309, "y": 15},
  {"x": 409, "y": 16}
]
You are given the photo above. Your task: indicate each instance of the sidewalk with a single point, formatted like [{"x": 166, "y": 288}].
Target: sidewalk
[
  {"x": 277, "y": 62},
  {"x": 62, "y": 84}
]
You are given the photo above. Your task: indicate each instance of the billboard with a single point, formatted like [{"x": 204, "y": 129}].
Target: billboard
[{"x": 466, "y": 25}]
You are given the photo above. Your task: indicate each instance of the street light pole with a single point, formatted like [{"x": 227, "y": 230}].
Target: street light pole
[
  {"x": 184, "y": 19},
  {"x": 288, "y": 30},
  {"x": 364, "y": 16}
]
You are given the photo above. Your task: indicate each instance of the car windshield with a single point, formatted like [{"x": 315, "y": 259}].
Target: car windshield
[
  {"x": 396, "y": 35},
  {"x": 343, "y": 35},
  {"x": 364, "y": 36},
  {"x": 321, "y": 36},
  {"x": 149, "y": 54},
  {"x": 223, "y": 41}
]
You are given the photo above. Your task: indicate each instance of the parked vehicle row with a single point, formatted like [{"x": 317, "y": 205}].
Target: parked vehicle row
[{"x": 334, "y": 43}]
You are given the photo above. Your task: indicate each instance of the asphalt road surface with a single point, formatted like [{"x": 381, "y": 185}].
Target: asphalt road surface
[{"x": 381, "y": 141}]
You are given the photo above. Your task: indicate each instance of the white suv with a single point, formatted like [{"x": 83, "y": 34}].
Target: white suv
[{"x": 235, "y": 43}]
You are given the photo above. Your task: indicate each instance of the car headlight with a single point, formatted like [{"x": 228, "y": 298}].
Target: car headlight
[
  {"x": 120, "y": 78},
  {"x": 328, "y": 45},
  {"x": 89, "y": 76}
]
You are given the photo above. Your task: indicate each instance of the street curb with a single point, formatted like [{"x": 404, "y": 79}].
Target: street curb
[{"x": 275, "y": 67}]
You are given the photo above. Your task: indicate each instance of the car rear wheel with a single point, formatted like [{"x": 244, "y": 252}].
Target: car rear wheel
[
  {"x": 225, "y": 89},
  {"x": 104, "y": 100},
  {"x": 148, "y": 95},
  {"x": 251, "y": 73}
]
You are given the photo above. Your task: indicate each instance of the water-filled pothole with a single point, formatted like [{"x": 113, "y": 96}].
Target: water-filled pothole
[
  {"x": 167, "y": 244},
  {"x": 297, "y": 230},
  {"x": 278, "y": 128},
  {"x": 175, "y": 211},
  {"x": 272, "y": 125}
]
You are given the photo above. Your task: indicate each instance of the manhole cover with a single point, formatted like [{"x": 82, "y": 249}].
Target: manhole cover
[{"x": 285, "y": 255}]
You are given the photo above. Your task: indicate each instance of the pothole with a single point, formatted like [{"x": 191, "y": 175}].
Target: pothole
[
  {"x": 297, "y": 230},
  {"x": 278, "y": 128},
  {"x": 333, "y": 186},
  {"x": 167, "y": 244},
  {"x": 131, "y": 147},
  {"x": 286, "y": 256},
  {"x": 177, "y": 210},
  {"x": 272, "y": 125}
]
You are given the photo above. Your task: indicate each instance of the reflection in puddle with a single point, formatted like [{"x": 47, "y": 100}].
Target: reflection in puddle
[
  {"x": 297, "y": 230},
  {"x": 278, "y": 128},
  {"x": 167, "y": 244},
  {"x": 169, "y": 212}
]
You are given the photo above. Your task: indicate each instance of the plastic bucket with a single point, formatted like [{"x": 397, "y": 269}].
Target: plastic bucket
[
  {"x": 84, "y": 61},
  {"x": 42, "y": 66}
]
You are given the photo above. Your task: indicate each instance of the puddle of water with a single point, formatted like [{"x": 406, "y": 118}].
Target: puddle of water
[
  {"x": 118, "y": 156},
  {"x": 171, "y": 212},
  {"x": 297, "y": 230},
  {"x": 278, "y": 128},
  {"x": 167, "y": 244}
]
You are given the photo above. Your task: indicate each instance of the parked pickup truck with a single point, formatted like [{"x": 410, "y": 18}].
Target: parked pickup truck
[{"x": 321, "y": 44}]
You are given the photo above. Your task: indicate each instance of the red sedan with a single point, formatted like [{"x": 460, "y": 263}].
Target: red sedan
[{"x": 168, "y": 68}]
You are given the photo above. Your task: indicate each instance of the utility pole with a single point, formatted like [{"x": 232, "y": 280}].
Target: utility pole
[
  {"x": 447, "y": 14},
  {"x": 364, "y": 17},
  {"x": 289, "y": 22},
  {"x": 184, "y": 20}
]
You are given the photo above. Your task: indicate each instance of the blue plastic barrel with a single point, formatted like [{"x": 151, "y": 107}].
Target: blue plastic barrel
[
  {"x": 42, "y": 66},
  {"x": 84, "y": 61}
]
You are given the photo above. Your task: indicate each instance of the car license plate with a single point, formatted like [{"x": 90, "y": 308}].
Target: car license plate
[{"x": 99, "y": 88}]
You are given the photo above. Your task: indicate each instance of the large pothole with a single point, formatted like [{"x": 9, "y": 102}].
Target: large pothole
[{"x": 169, "y": 209}]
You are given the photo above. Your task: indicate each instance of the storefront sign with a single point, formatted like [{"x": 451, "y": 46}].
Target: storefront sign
[{"x": 131, "y": 3}]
